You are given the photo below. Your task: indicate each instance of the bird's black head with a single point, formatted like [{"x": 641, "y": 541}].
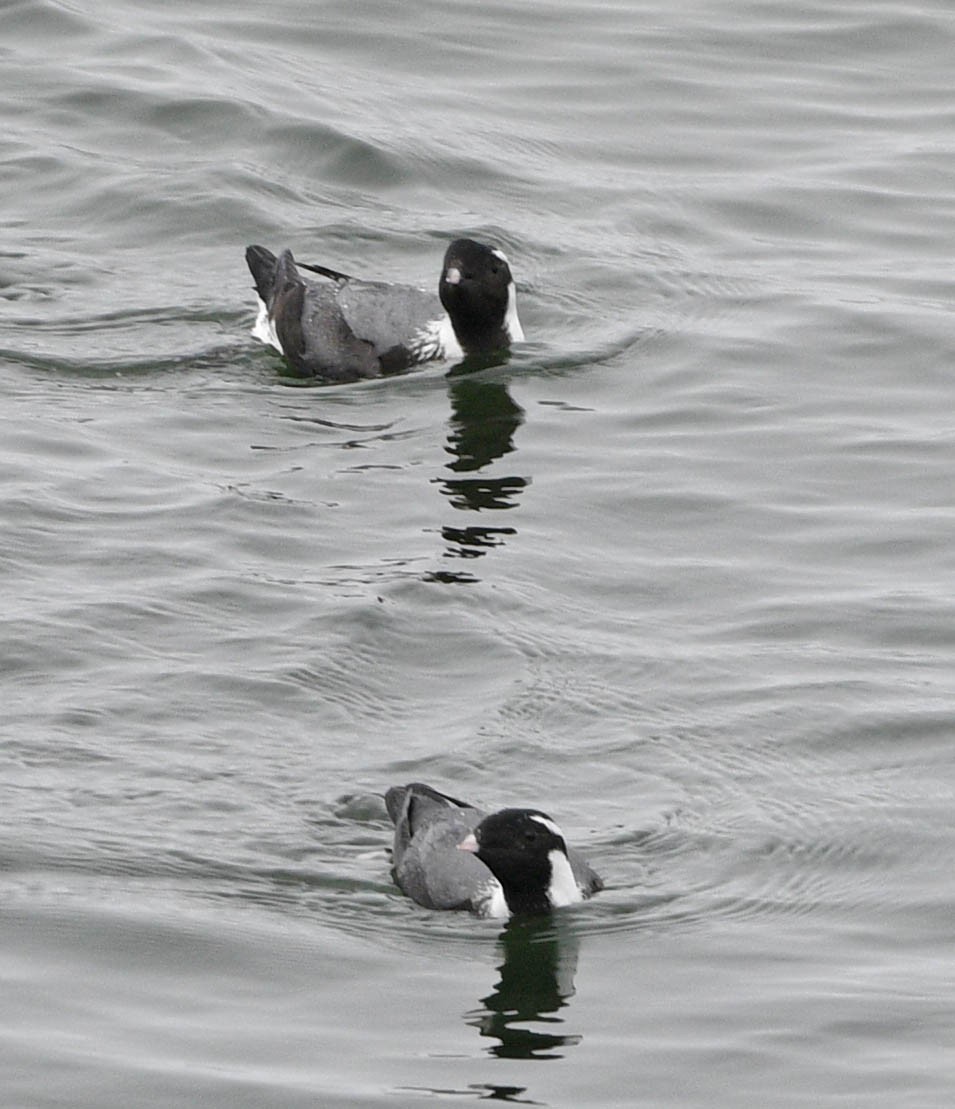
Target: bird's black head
[
  {"x": 525, "y": 850},
  {"x": 477, "y": 292}
]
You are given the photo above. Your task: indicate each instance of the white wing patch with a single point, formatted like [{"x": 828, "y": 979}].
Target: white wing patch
[
  {"x": 436, "y": 340},
  {"x": 264, "y": 329},
  {"x": 492, "y": 903}
]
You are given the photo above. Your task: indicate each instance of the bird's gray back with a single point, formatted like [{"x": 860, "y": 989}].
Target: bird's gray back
[
  {"x": 329, "y": 344},
  {"x": 427, "y": 863},
  {"x": 434, "y": 872},
  {"x": 387, "y": 316}
]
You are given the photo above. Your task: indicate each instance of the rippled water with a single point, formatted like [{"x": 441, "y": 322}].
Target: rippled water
[{"x": 680, "y": 572}]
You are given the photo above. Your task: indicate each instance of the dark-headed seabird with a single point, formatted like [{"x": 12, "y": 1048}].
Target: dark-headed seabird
[
  {"x": 449, "y": 855},
  {"x": 342, "y": 328}
]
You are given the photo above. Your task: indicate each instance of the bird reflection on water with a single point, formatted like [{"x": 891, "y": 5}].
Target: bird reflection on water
[
  {"x": 484, "y": 419},
  {"x": 536, "y": 982}
]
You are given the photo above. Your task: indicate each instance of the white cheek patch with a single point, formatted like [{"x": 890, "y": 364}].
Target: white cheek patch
[{"x": 548, "y": 824}]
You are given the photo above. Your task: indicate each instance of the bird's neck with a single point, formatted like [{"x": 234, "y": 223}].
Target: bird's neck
[
  {"x": 476, "y": 337},
  {"x": 560, "y": 889},
  {"x": 524, "y": 902}
]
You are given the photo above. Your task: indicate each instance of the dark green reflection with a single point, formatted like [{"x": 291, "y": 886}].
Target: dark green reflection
[
  {"x": 536, "y": 981},
  {"x": 484, "y": 419}
]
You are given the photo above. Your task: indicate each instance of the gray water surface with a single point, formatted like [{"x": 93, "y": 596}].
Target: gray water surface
[{"x": 680, "y": 572}]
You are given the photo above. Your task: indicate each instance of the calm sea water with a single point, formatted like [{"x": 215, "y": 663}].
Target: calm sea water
[{"x": 680, "y": 573}]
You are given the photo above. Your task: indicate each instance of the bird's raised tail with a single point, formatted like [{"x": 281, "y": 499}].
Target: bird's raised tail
[
  {"x": 262, "y": 263},
  {"x": 399, "y": 800}
]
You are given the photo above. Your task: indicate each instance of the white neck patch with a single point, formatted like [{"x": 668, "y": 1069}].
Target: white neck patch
[
  {"x": 512, "y": 325},
  {"x": 563, "y": 888}
]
